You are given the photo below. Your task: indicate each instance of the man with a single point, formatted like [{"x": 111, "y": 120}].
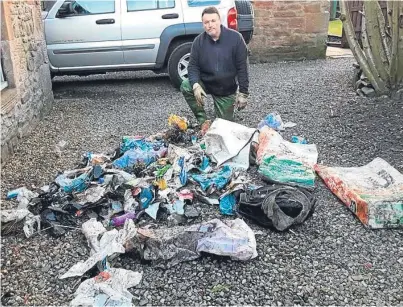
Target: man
[{"x": 218, "y": 56}]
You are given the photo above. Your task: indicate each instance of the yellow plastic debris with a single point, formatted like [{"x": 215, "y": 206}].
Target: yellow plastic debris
[{"x": 180, "y": 122}]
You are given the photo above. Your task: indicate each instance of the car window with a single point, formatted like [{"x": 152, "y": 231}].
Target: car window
[
  {"x": 141, "y": 5},
  {"x": 91, "y": 7},
  {"x": 194, "y": 3}
]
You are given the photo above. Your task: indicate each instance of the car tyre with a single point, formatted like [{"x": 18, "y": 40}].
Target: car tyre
[
  {"x": 245, "y": 10},
  {"x": 177, "y": 64}
]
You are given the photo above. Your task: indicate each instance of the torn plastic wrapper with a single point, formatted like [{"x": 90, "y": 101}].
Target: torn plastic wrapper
[
  {"x": 146, "y": 197},
  {"x": 111, "y": 243},
  {"x": 138, "y": 156},
  {"x": 109, "y": 290},
  {"x": 13, "y": 215},
  {"x": 140, "y": 143},
  {"x": 373, "y": 192},
  {"x": 90, "y": 195},
  {"x": 227, "y": 204},
  {"x": 231, "y": 238},
  {"x": 77, "y": 184},
  {"x": 152, "y": 210},
  {"x": 32, "y": 224},
  {"x": 23, "y": 196},
  {"x": 272, "y": 120},
  {"x": 57, "y": 219},
  {"x": 96, "y": 159},
  {"x": 228, "y": 142},
  {"x": 218, "y": 180}
]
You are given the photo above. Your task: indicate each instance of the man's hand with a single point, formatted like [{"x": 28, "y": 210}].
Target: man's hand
[
  {"x": 199, "y": 93},
  {"x": 241, "y": 101}
]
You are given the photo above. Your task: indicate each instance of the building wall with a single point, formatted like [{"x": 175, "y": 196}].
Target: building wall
[
  {"x": 289, "y": 30},
  {"x": 29, "y": 95}
]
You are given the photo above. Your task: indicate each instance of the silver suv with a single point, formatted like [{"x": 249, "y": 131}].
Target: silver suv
[{"x": 89, "y": 37}]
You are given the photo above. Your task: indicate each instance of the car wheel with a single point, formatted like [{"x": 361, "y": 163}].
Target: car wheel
[
  {"x": 245, "y": 19},
  {"x": 247, "y": 36},
  {"x": 178, "y": 64}
]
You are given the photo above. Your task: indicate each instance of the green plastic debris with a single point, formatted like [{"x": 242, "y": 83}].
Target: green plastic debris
[{"x": 287, "y": 171}]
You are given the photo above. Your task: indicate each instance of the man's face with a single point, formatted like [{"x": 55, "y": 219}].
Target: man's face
[{"x": 211, "y": 24}]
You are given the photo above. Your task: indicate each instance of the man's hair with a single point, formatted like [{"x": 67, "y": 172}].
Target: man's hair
[{"x": 210, "y": 10}]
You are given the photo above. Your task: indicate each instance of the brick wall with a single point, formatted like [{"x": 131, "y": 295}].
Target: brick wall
[
  {"x": 289, "y": 30},
  {"x": 25, "y": 64}
]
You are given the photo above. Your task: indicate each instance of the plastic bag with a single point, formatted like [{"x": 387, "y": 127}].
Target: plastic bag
[
  {"x": 219, "y": 179},
  {"x": 273, "y": 120},
  {"x": 373, "y": 192},
  {"x": 278, "y": 170}
]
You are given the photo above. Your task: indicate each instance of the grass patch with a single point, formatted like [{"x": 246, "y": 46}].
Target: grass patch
[{"x": 335, "y": 28}]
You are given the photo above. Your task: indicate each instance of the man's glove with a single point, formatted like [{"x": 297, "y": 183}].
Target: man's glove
[
  {"x": 241, "y": 101},
  {"x": 199, "y": 93}
]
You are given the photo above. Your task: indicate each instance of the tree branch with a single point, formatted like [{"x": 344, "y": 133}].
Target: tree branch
[
  {"x": 367, "y": 49},
  {"x": 356, "y": 49},
  {"x": 393, "y": 71},
  {"x": 399, "y": 78},
  {"x": 375, "y": 40},
  {"x": 382, "y": 29}
]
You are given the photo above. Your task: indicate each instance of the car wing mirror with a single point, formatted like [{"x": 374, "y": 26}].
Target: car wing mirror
[{"x": 65, "y": 10}]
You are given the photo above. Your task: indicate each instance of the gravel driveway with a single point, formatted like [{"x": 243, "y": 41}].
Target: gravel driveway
[{"x": 329, "y": 260}]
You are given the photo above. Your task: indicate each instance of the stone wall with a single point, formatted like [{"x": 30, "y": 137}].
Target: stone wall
[
  {"x": 289, "y": 30},
  {"x": 29, "y": 95}
]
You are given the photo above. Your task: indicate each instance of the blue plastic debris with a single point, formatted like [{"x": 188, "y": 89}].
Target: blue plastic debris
[
  {"x": 298, "y": 139},
  {"x": 227, "y": 204},
  {"x": 13, "y": 193},
  {"x": 77, "y": 184},
  {"x": 219, "y": 179},
  {"x": 140, "y": 156},
  {"x": 273, "y": 120},
  {"x": 146, "y": 196},
  {"x": 183, "y": 176},
  {"x": 138, "y": 142},
  {"x": 205, "y": 163}
]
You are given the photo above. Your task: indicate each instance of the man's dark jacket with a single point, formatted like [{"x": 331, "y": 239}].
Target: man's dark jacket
[{"x": 218, "y": 63}]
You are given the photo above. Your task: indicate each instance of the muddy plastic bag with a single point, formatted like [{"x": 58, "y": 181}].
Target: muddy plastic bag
[
  {"x": 228, "y": 142},
  {"x": 109, "y": 288},
  {"x": 231, "y": 238},
  {"x": 373, "y": 192},
  {"x": 284, "y": 162},
  {"x": 277, "y": 207}
]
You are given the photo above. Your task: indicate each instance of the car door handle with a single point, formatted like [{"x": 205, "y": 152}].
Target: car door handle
[
  {"x": 170, "y": 16},
  {"x": 105, "y": 21}
]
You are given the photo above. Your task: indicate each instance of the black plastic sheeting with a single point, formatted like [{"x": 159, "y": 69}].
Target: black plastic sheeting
[{"x": 278, "y": 207}]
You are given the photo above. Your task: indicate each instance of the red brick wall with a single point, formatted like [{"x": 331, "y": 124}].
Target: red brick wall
[{"x": 289, "y": 30}]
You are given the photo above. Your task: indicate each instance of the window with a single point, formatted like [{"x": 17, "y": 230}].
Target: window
[
  {"x": 91, "y": 7},
  {"x": 141, "y": 5},
  {"x": 4, "y": 83},
  {"x": 195, "y": 3}
]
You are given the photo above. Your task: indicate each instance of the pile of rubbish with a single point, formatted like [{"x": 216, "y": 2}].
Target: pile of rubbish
[{"x": 143, "y": 198}]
